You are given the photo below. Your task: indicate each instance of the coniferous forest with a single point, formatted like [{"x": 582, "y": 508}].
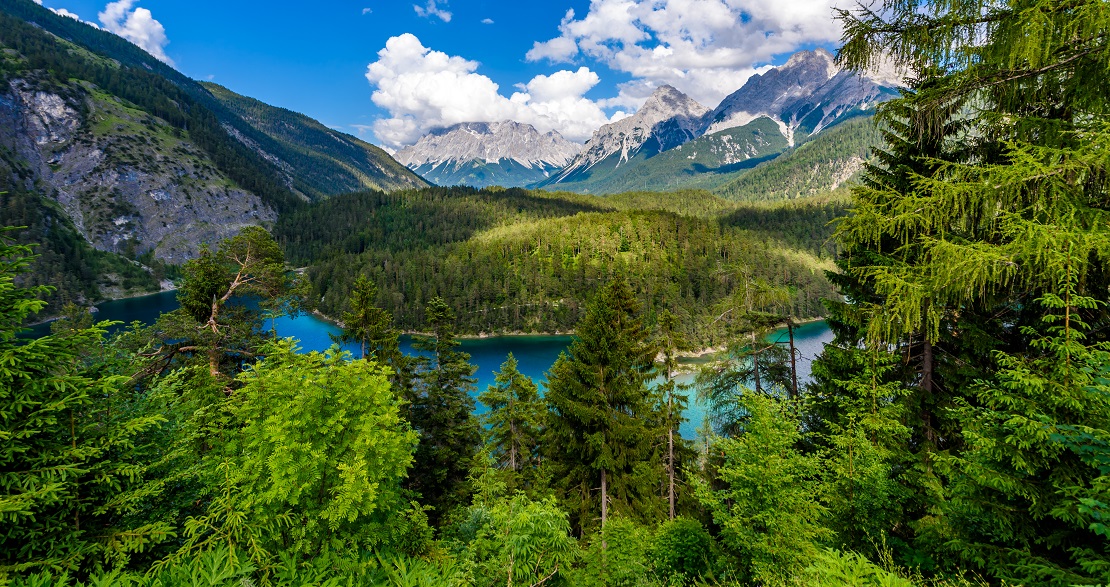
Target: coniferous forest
[{"x": 956, "y": 431}]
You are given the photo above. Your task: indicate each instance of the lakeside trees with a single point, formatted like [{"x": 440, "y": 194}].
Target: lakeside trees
[{"x": 955, "y": 433}]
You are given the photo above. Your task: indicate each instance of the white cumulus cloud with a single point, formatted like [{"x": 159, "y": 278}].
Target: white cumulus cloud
[
  {"x": 138, "y": 26},
  {"x": 422, "y": 89},
  {"x": 432, "y": 9},
  {"x": 66, "y": 13},
  {"x": 487, "y": 21},
  {"x": 706, "y": 48}
]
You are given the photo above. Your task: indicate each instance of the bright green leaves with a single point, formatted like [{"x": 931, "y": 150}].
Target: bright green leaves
[
  {"x": 769, "y": 517},
  {"x": 71, "y": 445},
  {"x": 322, "y": 439}
]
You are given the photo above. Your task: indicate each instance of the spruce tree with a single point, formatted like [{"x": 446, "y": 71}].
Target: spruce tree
[
  {"x": 599, "y": 440},
  {"x": 515, "y": 418},
  {"x": 976, "y": 252},
  {"x": 441, "y": 410},
  {"x": 368, "y": 325},
  {"x": 71, "y": 459}
]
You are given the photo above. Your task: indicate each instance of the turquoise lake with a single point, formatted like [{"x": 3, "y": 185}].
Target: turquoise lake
[{"x": 534, "y": 353}]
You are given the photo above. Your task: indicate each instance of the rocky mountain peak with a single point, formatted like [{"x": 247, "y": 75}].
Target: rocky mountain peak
[
  {"x": 489, "y": 142},
  {"x": 667, "y": 119},
  {"x": 776, "y": 91}
]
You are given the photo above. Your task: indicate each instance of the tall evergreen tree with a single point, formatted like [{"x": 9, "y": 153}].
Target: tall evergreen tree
[
  {"x": 71, "y": 464},
  {"x": 441, "y": 410},
  {"x": 969, "y": 253},
  {"x": 515, "y": 418},
  {"x": 367, "y": 324},
  {"x": 600, "y": 438}
]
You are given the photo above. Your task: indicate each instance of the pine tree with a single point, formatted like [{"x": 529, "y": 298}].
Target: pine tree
[
  {"x": 369, "y": 325},
  {"x": 441, "y": 410},
  {"x": 1004, "y": 185},
  {"x": 71, "y": 467},
  {"x": 600, "y": 438},
  {"x": 514, "y": 421}
]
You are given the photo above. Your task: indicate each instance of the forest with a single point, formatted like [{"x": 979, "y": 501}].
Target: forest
[
  {"x": 955, "y": 432},
  {"x": 526, "y": 261}
]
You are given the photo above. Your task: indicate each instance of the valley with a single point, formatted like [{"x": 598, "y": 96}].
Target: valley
[{"x": 646, "y": 293}]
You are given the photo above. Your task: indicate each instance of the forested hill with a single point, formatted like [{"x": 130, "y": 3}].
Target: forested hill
[
  {"x": 823, "y": 163},
  {"x": 526, "y": 261},
  {"x": 104, "y": 148},
  {"x": 326, "y": 161}
]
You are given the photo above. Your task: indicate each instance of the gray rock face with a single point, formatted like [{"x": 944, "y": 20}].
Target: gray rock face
[
  {"x": 490, "y": 142},
  {"x": 668, "y": 119},
  {"x": 774, "y": 92},
  {"x": 505, "y": 153},
  {"x": 809, "y": 92},
  {"x": 127, "y": 180}
]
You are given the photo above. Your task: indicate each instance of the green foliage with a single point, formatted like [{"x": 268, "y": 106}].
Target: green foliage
[
  {"x": 599, "y": 431},
  {"x": 770, "y": 519},
  {"x": 521, "y": 542},
  {"x": 684, "y": 549},
  {"x": 368, "y": 324},
  {"x": 216, "y": 324},
  {"x": 833, "y": 568},
  {"x": 520, "y": 261},
  {"x": 441, "y": 410},
  {"x": 514, "y": 421},
  {"x": 1027, "y": 494},
  {"x": 324, "y": 444},
  {"x": 618, "y": 555},
  {"x": 70, "y": 464}
]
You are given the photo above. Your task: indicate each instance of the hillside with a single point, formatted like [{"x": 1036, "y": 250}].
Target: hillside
[
  {"x": 821, "y": 164},
  {"x": 526, "y": 261},
  {"x": 107, "y": 149},
  {"x": 322, "y": 160}
]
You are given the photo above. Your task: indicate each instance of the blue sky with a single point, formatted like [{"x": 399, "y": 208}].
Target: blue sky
[{"x": 390, "y": 71}]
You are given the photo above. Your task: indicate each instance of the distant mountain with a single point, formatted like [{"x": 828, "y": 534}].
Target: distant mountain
[
  {"x": 686, "y": 145},
  {"x": 667, "y": 119},
  {"x": 805, "y": 95},
  {"x": 482, "y": 154},
  {"x": 318, "y": 160}
]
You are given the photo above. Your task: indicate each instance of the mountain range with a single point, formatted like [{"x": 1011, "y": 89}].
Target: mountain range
[
  {"x": 671, "y": 141},
  {"x": 481, "y": 154}
]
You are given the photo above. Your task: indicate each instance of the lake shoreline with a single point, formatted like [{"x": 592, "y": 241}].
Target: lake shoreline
[{"x": 694, "y": 354}]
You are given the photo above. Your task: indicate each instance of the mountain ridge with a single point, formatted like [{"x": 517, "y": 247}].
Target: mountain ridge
[{"x": 482, "y": 154}]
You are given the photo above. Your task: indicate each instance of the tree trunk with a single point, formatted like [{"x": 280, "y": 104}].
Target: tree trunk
[
  {"x": 927, "y": 387},
  {"x": 512, "y": 444},
  {"x": 604, "y": 498},
  {"x": 755, "y": 363},
  {"x": 793, "y": 362},
  {"x": 670, "y": 468}
]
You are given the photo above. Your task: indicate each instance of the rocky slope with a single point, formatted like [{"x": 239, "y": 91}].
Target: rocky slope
[
  {"x": 667, "y": 119},
  {"x": 126, "y": 180},
  {"x": 481, "y": 154},
  {"x": 685, "y": 145},
  {"x": 316, "y": 161},
  {"x": 808, "y": 93},
  {"x": 119, "y": 164}
]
